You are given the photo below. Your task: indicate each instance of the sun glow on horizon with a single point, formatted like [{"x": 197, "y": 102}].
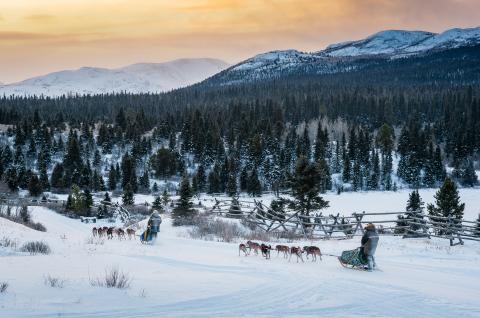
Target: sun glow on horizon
[{"x": 40, "y": 36}]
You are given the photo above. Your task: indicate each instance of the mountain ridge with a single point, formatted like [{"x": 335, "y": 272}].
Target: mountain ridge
[
  {"x": 347, "y": 56},
  {"x": 134, "y": 78}
]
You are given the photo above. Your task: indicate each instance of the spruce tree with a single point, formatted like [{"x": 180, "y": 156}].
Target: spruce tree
[
  {"x": 87, "y": 201},
  {"x": 69, "y": 204},
  {"x": 112, "y": 178},
  {"x": 476, "y": 231},
  {"x": 232, "y": 185},
  {"x": 165, "y": 198},
  {"x": 128, "y": 196},
  {"x": 44, "y": 179},
  {"x": 183, "y": 210},
  {"x": 254, "y": 187},
  {"x": 145, "y": 181},
  {"x": 305, "y": 187},
  {"x": 34, "y": 186},
  {"x": 157, "y": 204},
  {"x": 11, "y": 179},
  {"x": 447, "y": 204},
  {"x": 325, "y": 178},
  {"x": 414, "y": 211},
  {"x": 468, "y": 177},
  {"x": 106, "y": 197},
  {"x": 201, "y": 178}
]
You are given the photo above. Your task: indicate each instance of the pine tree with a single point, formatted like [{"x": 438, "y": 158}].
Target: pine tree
[
  {"x": 34, "y": 186},
  {"x": 232, "y": 185},
  {"x": 414, "y": 212},
  {"x": 165, "y": 198},
  {"x": 87, "y": 201},
  {"x": 254, "y": 187},
  {"x": 128, "y": 196},
  {"x": 72, "y": 158},
  {"x": 11, "y": 179},
  {"x": 201, "y": 178},
  {"x": 447, "y": 204},
  {"x": 57, "y": 178},
  {"x": 77, "y": 201},
  {"x": 157, "y": 204},
  {"x": 305, "y": 188},
  {"x": 476, "y": 231},
  {"x": 183, "y": 210},
  {"x": 325, "y": 178},
  {"x": 468, "y": 177},
  {"x": 106, "y": 197},
  {"x": 44, "y": 179},
  {"x": 145, "y": 181},
  {"x": 112, "y": 178},
  {"x": 69, "y": 204},
  {"x": 244, "y": 180},
  {"x": 97, "y": 159},
  {"x": 155, "y": 187}
]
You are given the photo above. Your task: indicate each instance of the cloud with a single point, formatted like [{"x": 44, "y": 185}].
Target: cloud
[
  {"x": 40, "y": 17},
  {"x": 22, "y": 36}
]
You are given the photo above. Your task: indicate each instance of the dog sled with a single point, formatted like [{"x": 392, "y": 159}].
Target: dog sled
[
  {"x": 153, "y": 227},
  {"x": 353, "y": 259}
]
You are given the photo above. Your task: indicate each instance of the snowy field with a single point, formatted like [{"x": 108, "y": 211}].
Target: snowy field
[{"x": 181, "y": 277}]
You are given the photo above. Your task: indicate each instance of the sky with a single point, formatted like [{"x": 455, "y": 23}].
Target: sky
[{"x": 42, "y": 36}]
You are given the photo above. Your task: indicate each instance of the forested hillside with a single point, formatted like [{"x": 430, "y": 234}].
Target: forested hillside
[{"x": 380, "y": 125}]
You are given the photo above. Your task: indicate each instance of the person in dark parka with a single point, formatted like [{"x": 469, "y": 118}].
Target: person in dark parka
[{"x": 369, "y": 245}]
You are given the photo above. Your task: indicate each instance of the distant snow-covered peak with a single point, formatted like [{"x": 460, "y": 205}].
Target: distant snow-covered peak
[
  {"x": 393, "y": 42},
  {"x": 136, "y": 78},
  {"x": 384, "y": 42},
  {"x": 449, "y": 39}
]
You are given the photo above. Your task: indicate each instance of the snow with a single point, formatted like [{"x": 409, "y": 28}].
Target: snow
[
  {"x": 136, "y": 78},
  {"x": 269, "y": 59},
  {"x": 182, "y": 277},
  {"x": 384, "y": 42},
  {"x": 449, "y": 39},
  {"x": 399, "y": 42}
]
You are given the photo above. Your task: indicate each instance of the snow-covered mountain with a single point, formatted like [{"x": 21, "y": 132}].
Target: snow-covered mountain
[
  {"x": 136, "y": 78},
  {"x": 395, "y": 42},
  {"x": 347, "y": 56}
]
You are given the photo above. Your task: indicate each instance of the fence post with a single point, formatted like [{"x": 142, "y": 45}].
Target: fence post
[{"x": 359, "y": 218}]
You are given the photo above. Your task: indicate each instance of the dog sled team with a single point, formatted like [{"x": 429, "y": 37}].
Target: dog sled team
[
  {"x": 286, "y": 251},
  {"x": 362, "y": 258},
  {"x": 110, "y": 232}
]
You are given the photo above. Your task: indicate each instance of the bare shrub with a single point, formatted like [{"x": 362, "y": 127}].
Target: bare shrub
[
  {"x": 3, "y": 287},
  {"x": 114, "y": 278},
  {"x": 36, "y": 247},
  {"x": 95, "y": 241},
  {"x": 258, "y": 235},
  {"x": 21, "y": 216},
  {"x": 211, "y": 229},
  {"x": 54, "y": 282},
  {"x": 290, "y": 235},
  {"x": 9, "y": 243}
]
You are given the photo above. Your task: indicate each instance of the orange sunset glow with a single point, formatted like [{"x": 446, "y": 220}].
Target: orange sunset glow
[{"x": 40, "y": 36}]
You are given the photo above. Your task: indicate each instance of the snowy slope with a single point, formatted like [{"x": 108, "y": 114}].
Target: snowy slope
[
  {"x": 385, "y": 42},
  {"x": 181, "y": 277},
  {"x": 281, "y": 59},
  {"x": 136, "y": 78}
]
